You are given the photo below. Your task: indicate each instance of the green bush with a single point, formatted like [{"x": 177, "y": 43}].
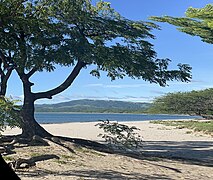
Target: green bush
[
  {"x": 8, "y": 113},
  {"x": 120, "y": 136}
]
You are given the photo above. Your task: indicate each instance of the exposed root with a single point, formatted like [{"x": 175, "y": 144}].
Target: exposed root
[
  {"x": 67, "y": 144},
  {"x": 88, "y": 144},
  {"x": 26, "y": 163},
  {"x": 38, "y": 141}
]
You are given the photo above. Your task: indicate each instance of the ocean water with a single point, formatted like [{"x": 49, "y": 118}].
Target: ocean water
[{"x": 48, "y": 118}]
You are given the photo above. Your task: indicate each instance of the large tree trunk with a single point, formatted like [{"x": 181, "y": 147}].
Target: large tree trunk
[{"x": 29, "y": 125}]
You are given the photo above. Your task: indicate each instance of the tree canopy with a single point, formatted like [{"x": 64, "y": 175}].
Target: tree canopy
[
  {"x": 38, "y": 35},
  {"x": 192, "y": 103},
  {"x": 198, "y": 22}
]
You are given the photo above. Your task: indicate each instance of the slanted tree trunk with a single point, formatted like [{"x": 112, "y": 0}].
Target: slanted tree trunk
[{"x": 29, "y": 125}]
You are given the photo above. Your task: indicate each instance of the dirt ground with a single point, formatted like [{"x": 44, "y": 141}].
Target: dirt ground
[{"x": 168, "y": 153}]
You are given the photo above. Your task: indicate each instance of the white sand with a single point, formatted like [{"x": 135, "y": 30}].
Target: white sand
[
  {"x": 149, "y": 131},
  {"x": 159, "y": 140}
]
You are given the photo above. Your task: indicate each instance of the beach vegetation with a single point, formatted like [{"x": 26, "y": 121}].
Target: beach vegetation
[
  {"x": 198, "y": 103},
  {"x": 197, "y": 22},
  {"x": 8, "y": 158},
  {"x": 120, "y": 136},
  {"x": 197, "y": 126},
  {"x": 9, "y": 113},
  {"x": 42, "y": 35}
]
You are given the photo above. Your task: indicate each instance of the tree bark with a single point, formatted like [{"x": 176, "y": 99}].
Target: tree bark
[
  {"x": 29, "y": 125},
  {"x": 67, "y": 83},
  {"x": 4, "y": 66},
  {"x": 4, "y": 80}
]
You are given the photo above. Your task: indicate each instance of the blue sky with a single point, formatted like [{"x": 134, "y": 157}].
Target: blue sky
[{"x": 169, "y": 43}]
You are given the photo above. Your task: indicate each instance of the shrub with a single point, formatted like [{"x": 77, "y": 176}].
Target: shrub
[
  {"x": 8, "y": 113},
  {"x": 120, "y": 136}
]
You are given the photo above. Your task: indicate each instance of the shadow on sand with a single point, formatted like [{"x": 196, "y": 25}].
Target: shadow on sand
[
  {"x": 188, "y": 152},
  {"x": 96, "y": 174},
  {"x": 191, "y": 152}
]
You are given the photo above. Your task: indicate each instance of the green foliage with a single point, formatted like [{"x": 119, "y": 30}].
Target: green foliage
[
  {"x": 199, "y": 126},
  {"x": 120, "y": 136},
  {"x": 38, "y": 35},
  {"x": 193, "y": 103},
  {"x": 198, "y": 22},
  {"x": 8, "y": 113}
]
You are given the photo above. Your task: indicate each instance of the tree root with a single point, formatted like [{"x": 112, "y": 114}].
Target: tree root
[
  {"x": 88, "y": 144},
  {"x": 64, "y": 142},
  {"x": 67, "y": 143},
  {"x": 26, "y": 163}
]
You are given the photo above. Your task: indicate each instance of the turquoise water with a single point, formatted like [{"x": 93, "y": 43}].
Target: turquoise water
[{"x": 46, "y": 118}]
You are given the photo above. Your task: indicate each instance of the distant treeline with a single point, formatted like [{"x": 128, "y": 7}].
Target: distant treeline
[
  {"x": 95, "y": 106},
  {"x": 193, "y": 103}
]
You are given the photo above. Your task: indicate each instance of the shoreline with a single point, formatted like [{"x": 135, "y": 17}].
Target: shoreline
[
  {"x": 136, "y": 113},
  {"x": 149, "y": 131},
  {"x": 41, "y": 112},
  {"x": 53, "y": 118}
]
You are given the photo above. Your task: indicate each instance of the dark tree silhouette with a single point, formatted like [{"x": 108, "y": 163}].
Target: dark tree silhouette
[{"x": 6, "y": 171}]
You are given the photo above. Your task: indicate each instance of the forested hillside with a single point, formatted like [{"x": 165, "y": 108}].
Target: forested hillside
[{"x": 99, "y": 106}]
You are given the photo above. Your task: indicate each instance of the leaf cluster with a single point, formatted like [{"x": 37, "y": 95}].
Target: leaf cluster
[
  {"x": 198, "y": 22},
  {"x": 120, "y": 136},
  {"x": 8, "y": 113},
  {"x": 40, "y": 34}
]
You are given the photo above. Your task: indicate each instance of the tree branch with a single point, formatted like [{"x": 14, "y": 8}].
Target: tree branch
[
  {"x": 3, "y": 59},
  {"x": 31, "y": 72},
  {"x": 1, "y": 72},
  {"x": 64, "y": 85}
]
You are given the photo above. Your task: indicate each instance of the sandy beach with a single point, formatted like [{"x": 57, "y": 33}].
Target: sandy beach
[{"x": 168, "y": 153}]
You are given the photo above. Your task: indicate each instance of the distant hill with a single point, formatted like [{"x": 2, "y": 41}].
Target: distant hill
[{"x": 95, "y": 106}]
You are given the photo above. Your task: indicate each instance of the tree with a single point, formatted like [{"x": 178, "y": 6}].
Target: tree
[
  {"x": 38, "y": 35},
  {"x": 193, "y": 103},
  {"x": 198, "y": 22}
]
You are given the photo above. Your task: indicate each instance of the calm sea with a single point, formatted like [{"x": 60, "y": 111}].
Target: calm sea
[{"x": 46, "y": 118}]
